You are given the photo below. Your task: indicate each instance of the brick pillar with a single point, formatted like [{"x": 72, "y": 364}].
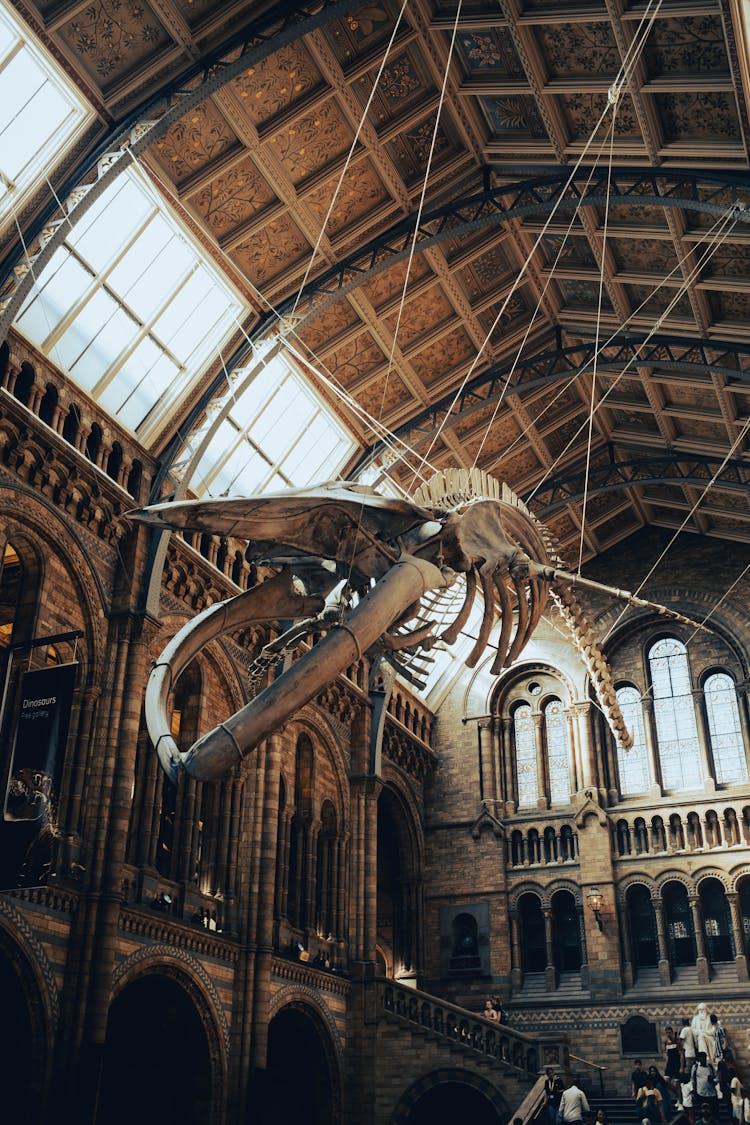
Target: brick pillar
[
  {"x": 701, "y": 962},
  {"x": 550, "y": 972},
  {"x": 626, "y": 945},
  {"x": 738, "y": 932},
  {"x": 665, "y": 970}
]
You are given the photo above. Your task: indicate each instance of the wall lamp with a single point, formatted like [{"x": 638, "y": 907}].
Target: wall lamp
[{"x": 595, "y": 899}]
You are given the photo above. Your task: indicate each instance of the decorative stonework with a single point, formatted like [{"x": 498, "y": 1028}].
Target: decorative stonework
[{"x": 110, "y": 36}]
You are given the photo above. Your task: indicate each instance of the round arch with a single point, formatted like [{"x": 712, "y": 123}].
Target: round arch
[
  {"x": 477, "y": 1099},
  {"x": 302, "y": 1080}
]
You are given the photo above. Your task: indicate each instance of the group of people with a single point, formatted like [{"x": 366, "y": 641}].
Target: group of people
[{"x": 699, "y": 1071}]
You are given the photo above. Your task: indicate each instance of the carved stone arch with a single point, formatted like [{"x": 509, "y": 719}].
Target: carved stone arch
[
  {"x": 15, "y": 929},
  {"x": 528, "y": 889},
  {"x": 189, "y": 973},
  {"x": 316, "y": 725},
  {"x": 727, "y": 622},
  {"x": 463, "y": 1076},
  {"x": 26, "y": 511},
  {"x": 299, "y": 998},
  {"x": 509, "y": 680},
  {"x": 674, "y": 876},
  {"x": 712, "y": 873},
  {"x": 396, "y": 784},
  {"x": 636, "y": 879},
  {"x": 564, "y": 885},
  {"x": 737, "y": 874}
]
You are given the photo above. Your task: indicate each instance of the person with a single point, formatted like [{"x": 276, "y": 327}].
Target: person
[
  {"x": 717, "y": 1038},
  {"x": 573, "y": 1105},
  {"x": 601, "y": 1117},
  {"x": 661, "y": 1085},
  {"x": 745, "y": 1104},
  {"x": 704, "y": 1088},
  {"x": 650, "y": 1102},
  {"x": 687, "y": 1045},
  {"x": 686, "y": 1096},
  {"x": 736, "y": 1095},
  {"x": 553, "y": 1089},
  {"x": 672, "y": 1053},
  {"x": 489, "y": 1012},
  {"x": 637, "y": 1078}
]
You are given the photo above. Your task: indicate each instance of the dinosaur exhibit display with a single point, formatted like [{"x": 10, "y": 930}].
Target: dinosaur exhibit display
[{"x": 352, "y": 567}]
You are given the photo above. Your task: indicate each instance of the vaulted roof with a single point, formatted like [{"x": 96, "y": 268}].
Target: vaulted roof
[{"x": 246, "y": 115}]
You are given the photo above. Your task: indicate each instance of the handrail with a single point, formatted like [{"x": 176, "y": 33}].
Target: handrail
[
  {"x": 534, "y": 1101},
  {"x": 594, "y": 1066},
  {"x": 450, "y": 1021}
]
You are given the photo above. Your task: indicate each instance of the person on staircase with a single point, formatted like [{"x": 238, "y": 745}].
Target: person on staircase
[
  {"x": 671, "y": 1054},
  {"x": 650, "y": 1103},
  {"x": 553, "y": 1091},
  {"x": 637, "y": 1079},
  {"x": 573, "y": 1105},
  {"x": 705, "y": 1092},
  {"x": 688, "y": 1046}
]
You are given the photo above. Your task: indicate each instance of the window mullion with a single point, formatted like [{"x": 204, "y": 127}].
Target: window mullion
[{"x": 144, "y": 331}]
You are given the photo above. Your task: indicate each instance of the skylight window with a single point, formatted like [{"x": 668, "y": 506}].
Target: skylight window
[
  {"x": 41, "y": 113},
  {"x": 278, "y": 434},
  {"x": 129, "y": 306}
]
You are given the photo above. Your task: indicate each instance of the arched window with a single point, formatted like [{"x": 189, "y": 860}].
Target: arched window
[
  {"x": 567, "y": 932},
  {"x": 533, "y": 944},
  {"x": 527, "y": 775},
  {"x": 643, "y": 933},
  {"x": 674, "y": 715},
  {"x": 635, "y": 776},
  {"x": 558, "y": 752},
  {"x": 724, "y": 729}
]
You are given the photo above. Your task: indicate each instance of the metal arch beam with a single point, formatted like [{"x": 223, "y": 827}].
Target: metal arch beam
[
  {"x": 545, "y": 369},
  {"x": 283, "y": 23},
  {"x": 648, "y": 468},
  {"x": 680, "y": 189}
]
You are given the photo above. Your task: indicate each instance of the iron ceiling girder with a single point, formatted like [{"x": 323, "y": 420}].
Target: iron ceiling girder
[
  {"x": 511, "y": 376},
  {"x": 664, "y": 468},
  {"x": 705, "y": 192}
]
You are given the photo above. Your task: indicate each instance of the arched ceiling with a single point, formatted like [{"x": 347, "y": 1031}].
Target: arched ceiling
[{"x": 254, "y": 135}]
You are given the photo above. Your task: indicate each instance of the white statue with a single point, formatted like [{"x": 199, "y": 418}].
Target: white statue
[{"x": 704, "y": 1037}]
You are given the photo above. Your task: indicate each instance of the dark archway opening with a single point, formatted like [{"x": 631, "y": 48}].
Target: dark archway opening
[
  {"x": 642, "y": 926},
  {"x": 453, "y": 1101},
  {"x": 567, "y": 933},
  {"x": 20, "y": 1085},
  {"x": 297, "y": 1085},
  {"x": 679, "y": 918},
  {"x": 533, "y": 948},
  {"x": 717, "y": 921},
  {"x": 157, "y": 1068}
]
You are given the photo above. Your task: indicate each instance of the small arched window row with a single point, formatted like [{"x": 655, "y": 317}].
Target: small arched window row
[
  {"x": 692, "y": 831},
  {"x": 684, "y": 924},
  {"x": 555, "y": 843},
  {"x": 676, "y": 756},
  {"x": 565, "y": 953}
]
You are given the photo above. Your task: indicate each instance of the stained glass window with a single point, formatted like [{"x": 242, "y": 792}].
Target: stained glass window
[
  {"x": 558, "y": 752},
  {"x": 724, "y": 729},
  {"x": 674, "y": 715},
  {"x": 635, "y": 776},
  {"x": 527, "y": 774}
]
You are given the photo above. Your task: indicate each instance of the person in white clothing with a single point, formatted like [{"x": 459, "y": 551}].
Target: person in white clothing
[
  {"x": 573, "y": 1105},
  {"x": 688, "y": 1045},
  {"x": 735, "y": 1095}
]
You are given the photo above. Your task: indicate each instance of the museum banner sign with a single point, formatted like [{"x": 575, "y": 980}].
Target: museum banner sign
[{"x": 33, "y": 787}]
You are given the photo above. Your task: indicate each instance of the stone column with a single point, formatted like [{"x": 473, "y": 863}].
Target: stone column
[
  {"x": 707, "y": 759},
  {"x": 649, "y": 727},
  {"x": 511, "y": 802},
  {"x": 665, "y": 971},
  {"x": 542, "y": 792},
  {"x": 744, "y": 709},
  {"x": 583, "y": 946},
  {"x": 623, "y": 914},
  {"x": 701, "y": 962},
  {"x": 582, "y": 711},
  {"x": 550, "y": 972},
  {"x": 738, "y": 931},
  {"x": 516, "y": 972}
]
